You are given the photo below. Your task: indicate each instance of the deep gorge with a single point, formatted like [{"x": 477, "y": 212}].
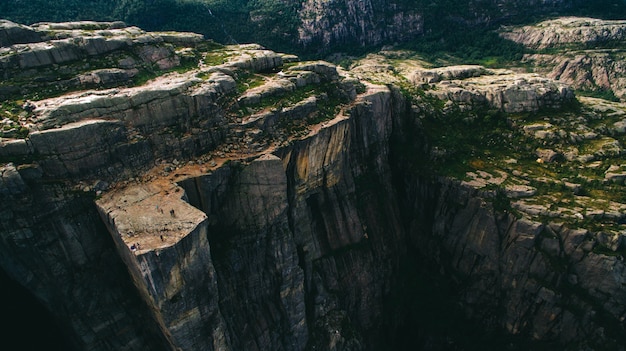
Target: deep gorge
[{"x": 241, "y": 199}]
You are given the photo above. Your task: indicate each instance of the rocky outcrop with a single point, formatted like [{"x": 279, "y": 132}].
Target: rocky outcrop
[
  {"x": 585, "y": 53},
  {"x": 13, "y": 33},
  {"x": 472, "y": 86},
  {"x": 567, "y": 31},
  {"x": 507, "y": 209},
  {"x": 531, "y": 278},
  {"x": 90, "y": 55},
  {"x": 81, "y": 40},
  {"x": 256, "y": 230},
  {"x": 436, "y": 75},
  {"x": 588, "y": 70},
  {"x": 163, "y": 241},
  {"x": 365, "y": 23},
  {"x": 246, "y": 204},
  {"x": 84, "y": 283},
  {"x": 175, "y": 254},
  {"x": 467, "y": 86}
]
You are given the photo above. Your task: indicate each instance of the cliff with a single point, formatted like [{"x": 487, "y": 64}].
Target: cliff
[
  {"x": 586, "y": 53},
  {"x": 314, "y": 26},
  {"x": 369, "y": 23},
  {"x": 323, "y": 24},
  {"x": 234, "y": 198}
]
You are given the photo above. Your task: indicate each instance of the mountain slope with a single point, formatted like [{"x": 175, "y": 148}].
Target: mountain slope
[{"x": 313, "y": 26}]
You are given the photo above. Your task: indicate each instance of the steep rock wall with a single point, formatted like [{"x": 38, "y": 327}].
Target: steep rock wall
[
  {"x": 363, "y": 23},
  {"x": 291, "y": 236},
  {"x": 378, "y": 22},
  {"x": 54, "y": 244},
  {"x": 539, "y": 280},
  {"x": 260, "y": 282},
  {"x": 306, "y": 246},
  {"x": 312, "y": 241},
  {"x": 174, "y": 278},
  {"x": 583, "y": 52}
]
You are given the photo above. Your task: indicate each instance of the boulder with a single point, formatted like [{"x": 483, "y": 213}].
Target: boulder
[
  {"x": 325, "y": 70},
  {"x": 547, "y": 155},
  {"x": 256, "y": 60},
  {"x": 429, "y": 76}
]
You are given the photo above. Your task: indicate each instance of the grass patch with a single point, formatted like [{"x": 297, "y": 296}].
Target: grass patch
[
  {"x": 247, "y": 80},
  {"x": 216, "y": 58},
  {"x": 465, "y": 141},
  {"x": 600, "y": 93},
  {"x": 456, "y": 44}
]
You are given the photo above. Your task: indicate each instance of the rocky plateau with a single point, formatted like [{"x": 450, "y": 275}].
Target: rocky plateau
[
  {"x": 164, "y": 192},
  {"x": 585, "y": 53}
]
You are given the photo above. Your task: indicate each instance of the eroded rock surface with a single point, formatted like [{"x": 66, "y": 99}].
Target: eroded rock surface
[
  {"x": 567, "y": 30},
  {"x": 246, "y": 201},
  {"x": 585, "y": 53},
  {"x": 322, "y": 23}
]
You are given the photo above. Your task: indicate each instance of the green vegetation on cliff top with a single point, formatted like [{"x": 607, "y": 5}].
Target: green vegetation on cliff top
[{"x": 456, "y": 26}]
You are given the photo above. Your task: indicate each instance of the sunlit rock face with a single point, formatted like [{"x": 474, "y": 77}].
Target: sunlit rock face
[
  {"x": 583, "y": 52},
  {"x": 357, "y": 22},
  {"x": 378, "y": 22},
  {"x": 235, "y": 198}
]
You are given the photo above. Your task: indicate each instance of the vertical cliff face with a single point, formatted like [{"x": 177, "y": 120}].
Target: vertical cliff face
[
  {"x": 285, "y": 247},
  {"x": 515, "y": 266},
  {"x": 163, "y": 242},
  {"x": 260, "y": 285},
  {"x": 365, "y": 23},
  {"x": 530, "y": 279},
  {"x": 288, "y": 252},
  {"x": 584, "y": 52},
  {"x": 345, "y": 222},
  {"x": 247, "y": 203},
  {"x": 54, "y": 245},
  {"x": 376, "y": 22}
]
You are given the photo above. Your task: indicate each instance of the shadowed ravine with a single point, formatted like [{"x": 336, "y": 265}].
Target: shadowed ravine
[{"x": 176, "y": 194}]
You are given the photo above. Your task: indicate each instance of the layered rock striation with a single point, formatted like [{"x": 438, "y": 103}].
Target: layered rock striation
[
  {"x": 249, "y": 201},
  {"x": 364, "y": 23},
  {"x": 585, "y": 53},
  {"x": 564, "y": 31}
]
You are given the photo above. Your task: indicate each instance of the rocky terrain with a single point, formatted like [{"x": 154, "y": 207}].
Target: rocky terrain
[
  {"x": 358, "y": 23},
  {"x": 586, "y": 53},
  {"x": 370, "y": 23},
  {"x": 311, "y": 26},
  {"x": 164, "y": 192}
]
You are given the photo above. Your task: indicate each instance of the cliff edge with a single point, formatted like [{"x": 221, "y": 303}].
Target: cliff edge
[{"x": 165, "y": 192}]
